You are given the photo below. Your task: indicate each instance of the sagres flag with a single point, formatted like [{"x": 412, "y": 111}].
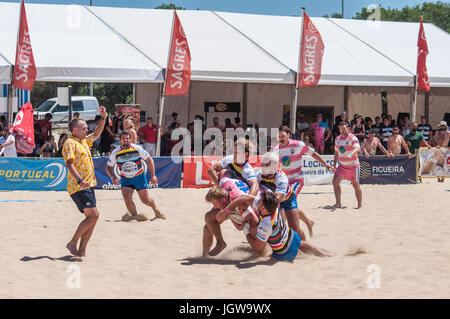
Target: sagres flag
[
  {"x": 423, "y": 82},
  {"x": 25, "y": 68},
  {"x": 311, "y": 53},
  {"x": 178, "y": 75}
]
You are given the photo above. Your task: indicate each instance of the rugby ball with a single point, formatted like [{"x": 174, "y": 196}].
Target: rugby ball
[{"x": 236, "y": 217}]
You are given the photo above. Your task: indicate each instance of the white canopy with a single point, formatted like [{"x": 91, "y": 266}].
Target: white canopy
[
  {"x": 4, "y": 71},
  {"x": 78, "y": 43}
]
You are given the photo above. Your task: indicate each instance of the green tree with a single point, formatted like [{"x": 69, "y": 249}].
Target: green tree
[
  {"x": 170, "y": 6},
  {"x": 334, "y": 15},
  {"x": 437, "y": 13}
]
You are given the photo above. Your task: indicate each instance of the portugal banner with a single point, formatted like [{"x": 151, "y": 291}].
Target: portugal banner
[
  {"x": 311, "y": 53},
  {"x": 25, "y": 68},
  {"x": 434, "y": 162},
  {"x": 178, "y": 75}
]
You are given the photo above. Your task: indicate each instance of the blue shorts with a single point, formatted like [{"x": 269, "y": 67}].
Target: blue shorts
[
  {"x": 292, "y": 251},
  {"x": 84, "y": 198},
  {"x": 138, "y": 182},
  {"x": 289, "y": 204}
]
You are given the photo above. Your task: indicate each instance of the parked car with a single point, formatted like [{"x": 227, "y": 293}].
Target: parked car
[{"x": 85, "y": 105}]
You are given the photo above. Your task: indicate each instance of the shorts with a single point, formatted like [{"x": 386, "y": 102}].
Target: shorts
[
  {"x": 150, "y": 148},
  {"x": 292, "y": 251},
  {"x": 84, "y": 198},
  {"x": 350, "y": 173},
  {"x": 289, "y": 204},
  {"x": 138, "y": 182},
  {"x": 319, "y": 144},
  {"x": 297, "y": 187}
]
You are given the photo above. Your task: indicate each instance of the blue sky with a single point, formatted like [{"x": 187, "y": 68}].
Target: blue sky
[{"x": 314, "y": 8}]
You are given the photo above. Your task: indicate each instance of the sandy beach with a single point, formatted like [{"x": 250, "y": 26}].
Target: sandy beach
[{"x": 404, "y": 230}]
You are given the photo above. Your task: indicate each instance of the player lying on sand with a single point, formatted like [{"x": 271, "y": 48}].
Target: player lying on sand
[
  {"x": 220, "y": 196},
  {"x": 128, "y": 157},
  {"x": 272, "y": 229}
]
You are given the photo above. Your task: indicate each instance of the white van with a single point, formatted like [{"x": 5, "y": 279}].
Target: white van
[{"x": 85, "y": 105}]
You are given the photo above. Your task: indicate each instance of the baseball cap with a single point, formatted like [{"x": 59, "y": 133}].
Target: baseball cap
[{"x": 443, "y": 123}]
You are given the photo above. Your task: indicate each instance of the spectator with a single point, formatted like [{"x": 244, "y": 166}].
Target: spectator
[
  {"x": 368, "y": 125},
  {"x": 307, "y": 141},
  {"x": 378, "y": 125},
  {"x": 442, "y": 135},
  {"x": 339, "y": 119},
  {"x": 172, "y": 142},
  {"x": 46, "y": 128},
  {"x": 128, "y": 125},
  {"x": 425, "y": 129},
  {"x": 371, "y": 144},
  {"x": 76, "y": 115},
  {"x": 358, "y": 129},
  {"x": 49, "y": 148},
  {"x": 414, "y": 138},
  {"x": 216, "y": 124},
  {"x": 228, "y": 124},
  {"x": 9, "y": 146},
  {"x": 3, "y": 123},
  {"x": 237, "y": 122},
  {"x": 148, "y": 135},
  {"x": 396, "y": 142},
  {"x": 107, "y": 138},
  {"x": 62, "y": 139},
  {"x": 302, "y": 127},
  {"x": 318, "y": 131},
  {"x": 172, "y": 120},
  {"x": 391, "y": 121},
  {"x": 93, "y": 125},
  {"x": 117, "y": 126},
  {"x": 405, "y": 129},
  {"x": 386, "y": 131}
]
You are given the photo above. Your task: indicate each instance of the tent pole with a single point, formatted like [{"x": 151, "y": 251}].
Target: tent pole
[
  {"x": 414, "y": 101},
  {"x": 158, "y": 128},
  {"x": 295, "y": 99},
  {"x": 10, "y": 98}
]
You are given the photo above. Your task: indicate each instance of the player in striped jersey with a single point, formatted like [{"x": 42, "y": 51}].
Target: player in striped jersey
[
  {"x": 272, "y": 229},
  {"x": 270, "y": 177},
  {"x": 346, "y": 150},
  {"x": 129, "y": 160}
]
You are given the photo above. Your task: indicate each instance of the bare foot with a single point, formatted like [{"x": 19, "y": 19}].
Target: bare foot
[
  {"x": 158, "y": 214},
  {"x": 310, "y": 228},
  {"x": 73, "y": 249},
  {"x": 219, "y": 247},
  {"x": 336, "y": 206}
]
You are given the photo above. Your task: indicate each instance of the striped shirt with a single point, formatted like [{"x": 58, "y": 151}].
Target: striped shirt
[
  {"x": 277, "y": 184},
  {"x": 344, "y": 146},
  {"x": 128, "y": 160},
  {"x": 274, "y": 231},
  {"x": 243, "y": 172},
  {"x": 291, "y": 159}
]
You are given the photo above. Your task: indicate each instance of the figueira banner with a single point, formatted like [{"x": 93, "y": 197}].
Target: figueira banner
[{"x": 383, "y": 170}]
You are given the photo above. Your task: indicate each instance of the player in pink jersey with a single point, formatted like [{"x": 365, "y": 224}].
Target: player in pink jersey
[
  {"x": 346, "y": 150},
  {"x": 318, "y": 130},
  {"x": 291, "y": 158},
  {"x": 225, "y": 190}
]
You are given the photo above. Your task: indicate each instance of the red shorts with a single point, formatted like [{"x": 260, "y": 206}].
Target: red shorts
[{"x": 350, "y": 173}]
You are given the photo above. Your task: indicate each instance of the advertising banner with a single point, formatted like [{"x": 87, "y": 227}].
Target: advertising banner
[
  {"x": 315, "y": 173},
  {"x": 33, "y": 175},
  {"x": 383, "y": 170},
  {"x": 434, "y": 162},
  {"x": 167, "y": 171}
]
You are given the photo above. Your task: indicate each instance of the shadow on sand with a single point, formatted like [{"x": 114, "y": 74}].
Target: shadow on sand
[{"x": 67, "y": 258}]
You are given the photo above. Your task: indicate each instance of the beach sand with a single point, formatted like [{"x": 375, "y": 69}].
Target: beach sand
[{"x": 403, "y": 230}]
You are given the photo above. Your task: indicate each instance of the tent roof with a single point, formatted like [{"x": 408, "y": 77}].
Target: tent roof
[
  {"x": 4, "y": 71},
  {"x": 70, "y": 44},
  {"x": 78, "y": 43}
]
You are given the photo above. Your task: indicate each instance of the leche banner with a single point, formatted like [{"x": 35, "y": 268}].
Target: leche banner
[
  {"x": 383, "y": 170},
  {"x": 434, "y": 162},
  {"x": 51, "y": 174}
]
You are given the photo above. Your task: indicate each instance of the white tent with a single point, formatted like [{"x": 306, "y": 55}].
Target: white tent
[{"x": 71, "y": 44}]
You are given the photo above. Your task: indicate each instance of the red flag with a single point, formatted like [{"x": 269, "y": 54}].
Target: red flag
[
  {"x": 178, "y": 75},
  {"x": 25, "y": 68},
  {"x": 311, "y": 53},
  {"x": 23, "y": 129},
  {"x": 423, "y": 82}
]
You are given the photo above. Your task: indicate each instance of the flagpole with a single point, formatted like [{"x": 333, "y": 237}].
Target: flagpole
[
  {"x": 163, "y": 97},
  {"x": 414, "y": 101},
  {"x": 296, "y": 88}
]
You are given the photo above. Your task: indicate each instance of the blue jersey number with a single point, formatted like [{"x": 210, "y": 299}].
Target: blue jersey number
[{"x": 243, "y": 186}]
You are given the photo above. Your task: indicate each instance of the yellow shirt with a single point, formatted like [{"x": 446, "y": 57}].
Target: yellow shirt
[{"x": 79, "y": 151}]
